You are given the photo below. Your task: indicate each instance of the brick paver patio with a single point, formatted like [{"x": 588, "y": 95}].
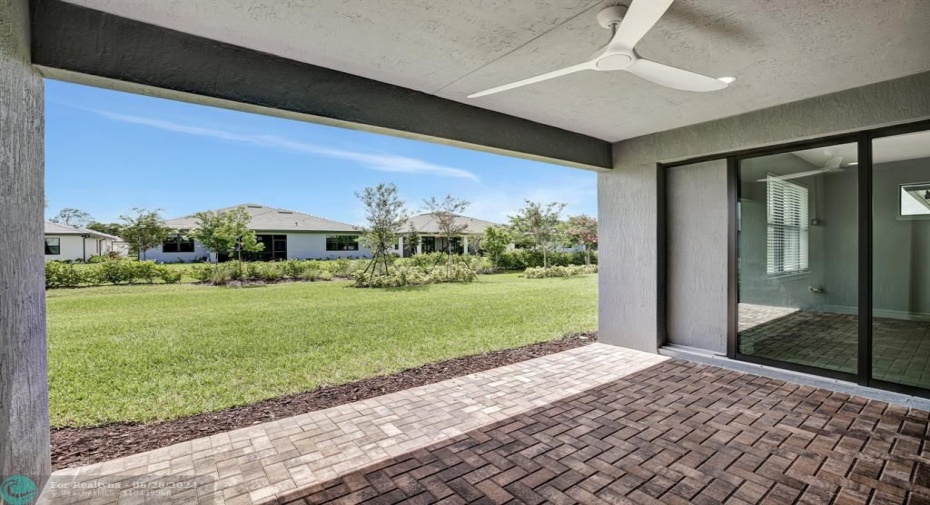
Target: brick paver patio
[{"x": 598, "y": 424}]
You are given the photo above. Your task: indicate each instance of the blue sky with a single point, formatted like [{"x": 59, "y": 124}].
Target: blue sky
[{"x": 107, "y": 152}]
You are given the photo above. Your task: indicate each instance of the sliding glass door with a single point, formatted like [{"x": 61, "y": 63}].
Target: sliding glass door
[
  {"x": 900, "y": 344},
  {"x": 832, "y": 258},
  {"x": 797, "y": 259}
]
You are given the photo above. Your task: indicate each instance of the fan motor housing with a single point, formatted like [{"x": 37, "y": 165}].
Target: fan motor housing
[{"x": 610, "y": 17}]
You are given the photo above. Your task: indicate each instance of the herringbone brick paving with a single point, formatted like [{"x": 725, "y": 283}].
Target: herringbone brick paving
[
  {"x": 677, "y": 432},
  {"x": 261, "y": 463}
]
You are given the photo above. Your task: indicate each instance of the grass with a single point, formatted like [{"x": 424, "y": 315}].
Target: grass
[{"x": 156, "y": 352}]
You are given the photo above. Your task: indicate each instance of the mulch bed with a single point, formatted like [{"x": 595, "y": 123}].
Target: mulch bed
[{"x": 84, "y": 446}]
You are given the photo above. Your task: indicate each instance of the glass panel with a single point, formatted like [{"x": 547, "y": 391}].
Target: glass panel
[
  {"x": 901, "y": 259},
  {"x": 798, "y": 257}
]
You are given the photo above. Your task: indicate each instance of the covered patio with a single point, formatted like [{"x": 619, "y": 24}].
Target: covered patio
[
  {"x": 596, "y": 424},
  {"x": 617, "y": 421}
]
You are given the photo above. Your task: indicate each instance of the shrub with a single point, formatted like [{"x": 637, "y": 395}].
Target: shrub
[
  {"x": 203, "y": 272},
  {"x": 342, "y": 267},
  {"x": 293, "y": 269},
  {"x": 59, "y": 274},
  {"x": 521, "y": 259},
  {"x": 98, "y": 258},
  {"x": 559, "y": 271},
  {"x": 169, "y": 275},
  {"x": 141, "y": 270},
  {"x": 223, "y": 273},
  {"x": 270, "y": 272},
  {"x": 412, "y": 275},
  {"x": 116, "y": 271}
]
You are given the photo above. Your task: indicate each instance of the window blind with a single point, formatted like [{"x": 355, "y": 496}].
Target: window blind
[{"x": 788, "y": 227}]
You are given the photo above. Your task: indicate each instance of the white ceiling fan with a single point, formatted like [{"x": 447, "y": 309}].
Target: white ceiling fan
[
  {"x": 832, "y": 165},
  {"x": 629, "y": 26}
]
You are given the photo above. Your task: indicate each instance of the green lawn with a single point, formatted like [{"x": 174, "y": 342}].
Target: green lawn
[{"x": 138, "y": 353}]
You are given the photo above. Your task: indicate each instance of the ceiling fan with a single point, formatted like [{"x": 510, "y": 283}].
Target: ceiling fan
[
  {"x": 629, "y": 25},
  {"x": 832, "y": 165}
]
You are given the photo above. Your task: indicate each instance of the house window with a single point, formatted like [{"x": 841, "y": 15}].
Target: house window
[
  {"x": 177, "y": 244},
  {"x": 788, "y": 227},
  {"x": 342, "y": 242},
  {"x": 52, "y": 246},
  {"x": 914, "y": 199},
  {"x": 274, "y": 249},
  {"x": 428, "y": 244}
]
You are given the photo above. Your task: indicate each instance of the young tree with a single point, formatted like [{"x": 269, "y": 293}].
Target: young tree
[
  {"x": 386, "y": 214},
  {"x": 144, "y": 230},
  {"x": 412, "y": 238},
  {"x": 539, "y": 224},
  {"x": 446, "y": 213},
  {"x": 582, "y": 230},
  {"x": 108, "y": 228},
  {"x": 496, "y": 240},
  {"x": 226, "y": 232},
  {"x": 74, "y": 218}
]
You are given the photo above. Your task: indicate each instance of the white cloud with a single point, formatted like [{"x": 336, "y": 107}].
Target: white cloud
[{"x": 376, "y": 161}]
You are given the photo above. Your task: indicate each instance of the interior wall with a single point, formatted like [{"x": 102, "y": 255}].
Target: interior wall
[
  {"x": 628, "y": 206},
  {"x": 24, "y": 423},
  {"x": 756, "y": 285},
  {"x": 696, "y": 206},
  {"x": 901, "y": 247}
]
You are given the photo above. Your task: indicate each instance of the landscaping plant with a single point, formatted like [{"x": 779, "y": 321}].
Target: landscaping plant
[
  {"x": 582, "y": 230},
  {"x": 226, "y": 232},
  {"x": 539, "y": 225},
  {"x": 143, "y": 231},
  {"x": 445, "y": 213},
  {"x": 386, "y": 214}
]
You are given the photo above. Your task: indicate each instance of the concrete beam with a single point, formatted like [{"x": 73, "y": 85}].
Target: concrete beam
[
  {"x": 24, "y": 423},
  {"x": 86, "y": 46}
]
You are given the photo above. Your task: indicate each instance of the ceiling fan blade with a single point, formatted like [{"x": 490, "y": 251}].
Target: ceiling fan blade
[
  {"x": 588, "y": 65},
  {"x": 672, "y": 77},
  {"x": 794, "y": 176},
  {"x": 639, "y": 19},
  {"x": 834, "y": 163}
]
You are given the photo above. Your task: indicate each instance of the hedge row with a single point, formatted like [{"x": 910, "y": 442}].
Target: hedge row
[
  {"x": 568, "y": 271},
  {"x": 60, "y": 274},
  {"x": 521, "y": 259}
]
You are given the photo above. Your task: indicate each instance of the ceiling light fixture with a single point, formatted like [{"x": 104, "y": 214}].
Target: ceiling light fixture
[{"x": 727, "y": 80}]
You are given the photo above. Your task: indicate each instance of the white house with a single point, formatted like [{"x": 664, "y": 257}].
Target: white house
[
  {"x": 286, "y": 234},
  {"x": 66, "y": 243},
  {"x": 427, "y": 228}
]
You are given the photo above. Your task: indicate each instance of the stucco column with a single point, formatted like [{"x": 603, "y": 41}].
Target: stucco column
[
  {"x": 400, "y": 245},
  {"x": 464, "y": 244},
  {"x": 420, "y": 246},
  {"x": 24, "y": 424}
]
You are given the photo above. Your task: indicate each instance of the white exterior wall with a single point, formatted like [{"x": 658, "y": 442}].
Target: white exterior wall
[
  {"x": 313, "y": 246},
  {"x": 75, "y": 247},
  {"x": 71, "y": 248},
  {"x": 173, "y": 257},
  {"x": 307, "y": 245}
]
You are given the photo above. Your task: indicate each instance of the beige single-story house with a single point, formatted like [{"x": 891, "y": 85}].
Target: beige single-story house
[
  {"x": 66, "y": 243},
  {"x": 427, "y": 227}
]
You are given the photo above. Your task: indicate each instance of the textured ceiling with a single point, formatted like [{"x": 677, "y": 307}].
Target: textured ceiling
[{"x": 780, "y": 51}]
